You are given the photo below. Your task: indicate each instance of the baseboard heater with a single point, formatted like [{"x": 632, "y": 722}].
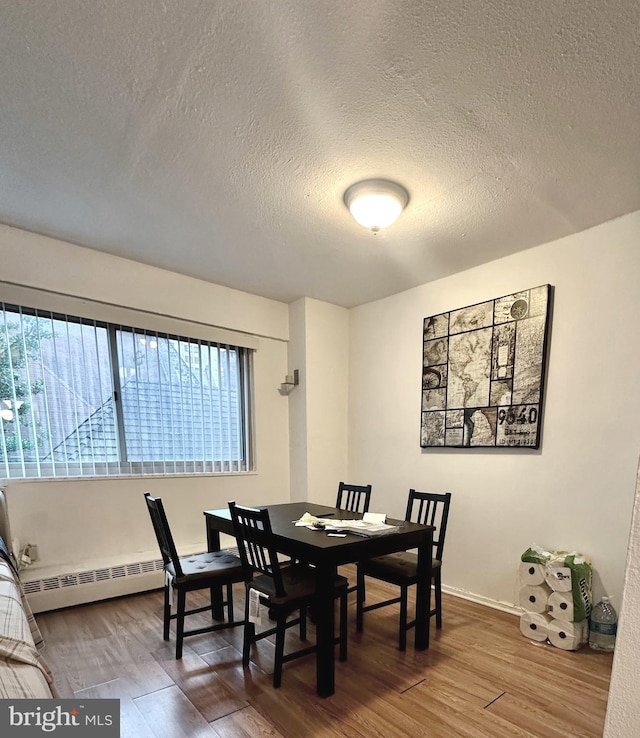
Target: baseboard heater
[
  {"x": 77, "y": 588},
  {"x": 52, "y": 593}
]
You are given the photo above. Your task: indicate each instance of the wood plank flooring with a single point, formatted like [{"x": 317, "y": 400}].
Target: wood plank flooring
[{"x": 479, "y": 679}]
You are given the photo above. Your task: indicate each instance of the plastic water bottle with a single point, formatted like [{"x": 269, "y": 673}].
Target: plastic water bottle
[{"x": 603, "y": 626}]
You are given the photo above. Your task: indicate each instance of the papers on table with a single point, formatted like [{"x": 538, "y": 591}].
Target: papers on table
[
  {"x": 374, "y": 517},
  {"x": 372, "y": 524},
  {"x": 361, "y": 527},
  {"x": 309, "y": 521}
]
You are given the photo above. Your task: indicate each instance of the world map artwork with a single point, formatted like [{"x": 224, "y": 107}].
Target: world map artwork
[{"x": 483, "y": 372}]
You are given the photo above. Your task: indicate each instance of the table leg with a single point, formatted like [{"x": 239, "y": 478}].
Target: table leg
[
  {"x": 217, "y": 598},
  {"x": 423, "y": 593},
  {"x": 325, "y": 631}
]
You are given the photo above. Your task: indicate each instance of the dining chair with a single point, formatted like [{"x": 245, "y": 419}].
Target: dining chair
[
  {"x": 353, "y": 497},
  {"x": 401, "y": 569},
  {"x": 184, "y": 574},
  {"x": 284, "y": 590}
]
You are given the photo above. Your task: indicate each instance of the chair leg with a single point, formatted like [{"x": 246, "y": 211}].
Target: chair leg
[
  {"x": 230, "y": 602},
  {"x": 402, "y": 641},
  {"x": 217, "y": 606},
  {"x": 167, "y": 611},
  {"x": 180, "y": 622},
  {"x": 303, "y": 623},
  {"x": 280, "y": 633},
  {"x": 438, "y": 587},
  {"x": 360, "y": 595},
  {"x": 249, "y": 632},
  {"x": 343, "y": 626}
]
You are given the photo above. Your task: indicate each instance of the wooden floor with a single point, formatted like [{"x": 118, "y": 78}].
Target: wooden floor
[{"x": 480, "y": 677}]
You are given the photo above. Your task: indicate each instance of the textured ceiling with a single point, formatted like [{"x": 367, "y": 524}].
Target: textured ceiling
[{"x": 217, "y": 138}]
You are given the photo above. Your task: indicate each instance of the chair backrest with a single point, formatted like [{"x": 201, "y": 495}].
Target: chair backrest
[
  {"x": 353, "y": 497},
  {"x": 429, "y": 508},
  {"x": 252, "y": 528},
  {"x": 163, "y": 533}
]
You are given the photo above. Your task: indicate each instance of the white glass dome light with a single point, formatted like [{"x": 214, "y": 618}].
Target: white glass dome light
[{"x": 376, "y": 203}]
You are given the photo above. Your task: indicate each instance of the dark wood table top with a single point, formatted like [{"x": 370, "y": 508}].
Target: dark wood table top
[{"x": 318, "y": 547}]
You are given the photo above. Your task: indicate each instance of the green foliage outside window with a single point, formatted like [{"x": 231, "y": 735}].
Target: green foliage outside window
[{"x": 19, "y": 345}]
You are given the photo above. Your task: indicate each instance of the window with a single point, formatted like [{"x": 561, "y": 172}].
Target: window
[{"x": 81, "y": 397}]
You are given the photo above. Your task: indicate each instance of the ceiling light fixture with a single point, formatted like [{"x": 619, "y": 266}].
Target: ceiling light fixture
[{"x": 376, "y": 203}]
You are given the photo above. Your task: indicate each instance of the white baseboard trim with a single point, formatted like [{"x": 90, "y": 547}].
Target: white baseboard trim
[{"x": 486, "y": 601}]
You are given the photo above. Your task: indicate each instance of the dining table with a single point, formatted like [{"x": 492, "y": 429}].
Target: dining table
[{"x": 326, "y": 552}]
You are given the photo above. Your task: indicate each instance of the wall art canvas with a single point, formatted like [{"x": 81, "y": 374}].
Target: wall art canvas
[{"x": 483, "y": 372}]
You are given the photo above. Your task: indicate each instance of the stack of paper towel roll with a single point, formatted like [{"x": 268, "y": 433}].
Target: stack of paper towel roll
[
  {"x": 563, "y": 632},
  {"x": 534, "y": 599},
  {"x": 547, "y": 602}
]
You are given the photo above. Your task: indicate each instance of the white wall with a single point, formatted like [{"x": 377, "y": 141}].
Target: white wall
[
  {"x": 299, "y": 473},
  {"x": 327, "y": 377},
  {"x": 576, "y": 492},
  {"x": 89, "y": 523},
  {"x": 319, "y": 349},
  {"x": 47, "y": 263}
]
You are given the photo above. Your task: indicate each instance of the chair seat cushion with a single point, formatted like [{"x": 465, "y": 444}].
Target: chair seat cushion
[
  {"x": 397, "y": 568},
  {"x": 299, "y": 583},
  {"x": 205, "y": 565}
]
